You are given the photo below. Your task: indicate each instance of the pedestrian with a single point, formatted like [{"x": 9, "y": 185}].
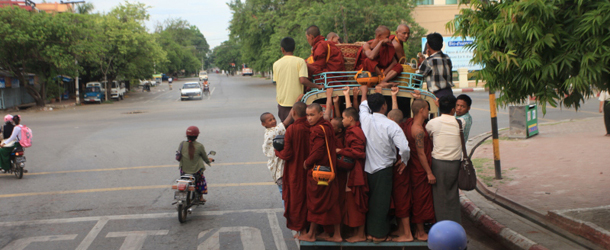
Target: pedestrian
[
  {"x": 462, "y": 110},
  {"x": 437, "y": 68},
  {"x": 383, "y": 137},
  {"x": 446, "y": 157},
  {"x": 290, "y": 76},
  {"x": 7, "y": 131},
  {"x": 6, "y": 148},
  {"x": 604, "y": 106},
  {"x": 193, "y": 156},
  {"x": 273, "y": 129}
]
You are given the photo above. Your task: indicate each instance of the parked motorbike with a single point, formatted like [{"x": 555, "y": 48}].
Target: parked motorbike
[
  {"x": 186, "y": 196},
  {"x": 17, "y": 162}
]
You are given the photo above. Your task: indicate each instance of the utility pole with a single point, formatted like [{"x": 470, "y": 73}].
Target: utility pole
[
  {"x": 494, "y": 133},
  {"x": 77, "y": 94}
]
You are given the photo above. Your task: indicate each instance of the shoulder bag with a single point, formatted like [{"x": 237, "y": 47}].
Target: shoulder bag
[
  {"x": 323, "y": 174},
  {"x": 467, "y": 177}
]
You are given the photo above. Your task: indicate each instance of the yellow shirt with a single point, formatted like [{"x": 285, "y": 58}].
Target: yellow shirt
[{"x": 286, "y": 73}]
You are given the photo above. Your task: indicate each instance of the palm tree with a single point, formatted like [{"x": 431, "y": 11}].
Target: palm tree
[{"x": 85, "y": 8}]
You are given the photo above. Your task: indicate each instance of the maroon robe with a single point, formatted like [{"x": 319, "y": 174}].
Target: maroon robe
[
  {"x": 383, "y": 60},
  {"x": 356, "y": 201},
  {"x": 423, "y": 205},
  {"x": 322, "y": 201},
  {"x": 402, "y": 195},
  {"x": 319, "y": 52},
  {"x": 294, "y": 185}
]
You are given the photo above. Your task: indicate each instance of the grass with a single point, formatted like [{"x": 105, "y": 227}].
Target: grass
[{"x": 486, "y": 172}]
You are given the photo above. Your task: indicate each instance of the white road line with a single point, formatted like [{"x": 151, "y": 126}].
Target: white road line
[
  {"x": 278, "y": 237},
  {"x": 212, "y": 90},
  {"x": 133, "y": 217},
  {"x": 84, "y": 245},
  {"x": 134, "y": 240},
  {"x": 21, "y": 244}
]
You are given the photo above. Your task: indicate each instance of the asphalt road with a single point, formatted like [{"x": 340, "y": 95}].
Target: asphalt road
[{"x": 100, "y": 174}]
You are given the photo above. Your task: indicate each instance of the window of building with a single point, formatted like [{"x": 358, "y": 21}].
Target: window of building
[
  {"x": 425, "y": 2},
  {"x": 451, "y": 2}
]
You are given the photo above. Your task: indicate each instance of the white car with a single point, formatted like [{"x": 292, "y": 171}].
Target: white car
[{"x": 191, "y": 90}]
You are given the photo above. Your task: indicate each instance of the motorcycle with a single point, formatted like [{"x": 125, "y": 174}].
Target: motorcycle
[
  {"x": 169, "y": 81},
  {"x": 186, "y": 196},
  {"x": 146, "y": 87},
  {"x": 17, "y": 162},
  {"x": 206, "y": 88}
]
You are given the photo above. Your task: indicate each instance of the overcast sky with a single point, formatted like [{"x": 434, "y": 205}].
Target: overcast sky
[{"x": 211, "y": 17}]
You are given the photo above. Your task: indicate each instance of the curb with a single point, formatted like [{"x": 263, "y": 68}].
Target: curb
[
  {"x": 586, "y": 229},
  {"x": 491, "y": 226},
  {"x": 465, "y": 90}
]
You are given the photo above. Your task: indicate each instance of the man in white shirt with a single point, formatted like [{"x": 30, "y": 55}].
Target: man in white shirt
[
  {"x": 446, "y": 159},
  {"x": 383, "y": 136}
]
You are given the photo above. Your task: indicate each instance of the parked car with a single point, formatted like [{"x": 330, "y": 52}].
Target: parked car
[
  {"x": 191, "y": 90},
  {"x": 94, "y": 94},
  {"x": 118, "y": 90}
]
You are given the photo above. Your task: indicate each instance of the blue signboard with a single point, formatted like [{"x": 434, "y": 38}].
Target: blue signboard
[
  {"x": 15, "y": 83},
  {"x": 2, "y": 82},
  {"x": 454, "y": 48}
]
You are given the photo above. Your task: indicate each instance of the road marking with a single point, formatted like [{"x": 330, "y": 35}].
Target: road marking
[
  {"x": 138, "y": 167},
  {"x": 134, "y": 240},
  {"x": 22, "y": 243},
  {"x": 134, "y": 217},
  {"x": 505, "y": 113},
  {"x": 84, "y": 245},
  {"x": 96, "y": 190},
  {"x": 276, "y": 231},
  {"x": 251, "y": 238}
]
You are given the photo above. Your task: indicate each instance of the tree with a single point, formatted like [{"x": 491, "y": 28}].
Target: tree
[
  {"x": 226, "y": 54},
  {"x": 259, "y": 25},
  {"x": 557, "y": 51},
  {"x": 39, "y": 43},
  {"x": 184, "y": 43}
]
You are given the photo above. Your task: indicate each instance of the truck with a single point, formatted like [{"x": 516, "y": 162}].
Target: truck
[{"x": 118, "y": 90}]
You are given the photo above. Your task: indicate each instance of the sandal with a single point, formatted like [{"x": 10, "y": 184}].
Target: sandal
[{"x": 387, "y": 238}]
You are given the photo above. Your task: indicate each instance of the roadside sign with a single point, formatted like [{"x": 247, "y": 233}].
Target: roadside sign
[{"x": 454, "y": 48}]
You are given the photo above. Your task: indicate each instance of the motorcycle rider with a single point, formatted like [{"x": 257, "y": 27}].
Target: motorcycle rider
[
  {"x": 170, "y": 80},
  {"x": 193, "y": 157},
  {"x": 7, "y": 145}
]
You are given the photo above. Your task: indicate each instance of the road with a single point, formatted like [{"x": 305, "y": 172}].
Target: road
[{"x": 100, "y": 174}]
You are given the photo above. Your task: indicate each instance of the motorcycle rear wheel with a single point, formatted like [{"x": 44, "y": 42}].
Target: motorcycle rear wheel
[
  {"x": 182, "y": 213},
  {"x": 17, "y": 170}
]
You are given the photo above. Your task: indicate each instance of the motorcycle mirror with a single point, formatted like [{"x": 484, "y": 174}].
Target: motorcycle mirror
[{"x": 212, "y": 153}]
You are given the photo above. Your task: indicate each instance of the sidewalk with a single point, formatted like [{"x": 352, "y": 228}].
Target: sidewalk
[{"x": 559, "y": 177}]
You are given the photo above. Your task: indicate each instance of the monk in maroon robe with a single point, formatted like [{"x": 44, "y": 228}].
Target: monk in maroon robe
[
  {"x": 356, "y": 198},
  {"x": 377, "y": 56},
  {"x": 326, "y": 56},
  {"x": 421, "y": 176},
  {"x": 294, "y": 185},
  {"x": 398, "y": 41},
  {"x": 322, "y": 200}
]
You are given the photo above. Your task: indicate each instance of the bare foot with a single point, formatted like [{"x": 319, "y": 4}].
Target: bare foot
[
  {"x": 335, "y": 238},
  {"x": 307, "y": 237},
  {"x": 323, "y": 236},
  {"x": 403, "y": 238},
  {"x": 347, "y": 189},
  {"x": 378, "y": 240},
  {"x": 368, "y": 237},
  {"x": 395, "y": 233},
  {"x": 423, "y": 236},
  {"x": 356, "y": 238}
]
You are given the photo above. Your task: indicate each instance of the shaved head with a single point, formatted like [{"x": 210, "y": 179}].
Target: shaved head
[
  {"x": 299, "y": 109},
  {"x": 331, "y": 35},
  {"x": 402, "y": 26},
  {"x": 417, "y": 105},
  {"x": 395, "y": 115},
  {"x": 315, "y": 106},
  {"x": 382, "y": 30},
  {"x": 264, "y": 116},
  {"x": 313, "y": 31},
  {"x": 337, "y": 123},
  {"x": 352, "y": 112}
]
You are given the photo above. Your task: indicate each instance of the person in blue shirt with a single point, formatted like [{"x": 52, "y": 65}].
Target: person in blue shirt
[{"x": 462, "y": 108}]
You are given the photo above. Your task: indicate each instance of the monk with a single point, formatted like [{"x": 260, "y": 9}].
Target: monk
[
  {"x": 356, "y": 198},
  {"x": 322, "y": 200},
  {"x": 320, "y": 49},
  {"x": 398, "y": 41},
  {"x": 419, "y": 168},
  {"x": 294, "y": 185},
  {"x": 333, "y": 37},
  {"x": 401, "y": 183},
  {"x": 377, "y": 56}
]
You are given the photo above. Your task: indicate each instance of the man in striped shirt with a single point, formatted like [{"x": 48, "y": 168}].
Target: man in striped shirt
[{"x": 437, "y": 67}]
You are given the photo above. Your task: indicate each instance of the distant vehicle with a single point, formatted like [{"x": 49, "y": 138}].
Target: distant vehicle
[
  {"x": 246, "y": 72},
  {"x": 191, "y": 90},
  {"x": 164, "y": 77},
  {"x": 101, "y": 85},
  {"x": 203, "y": 76},
  {"x": 94, "y": 94},
  {"x": 118, "y": 90}
]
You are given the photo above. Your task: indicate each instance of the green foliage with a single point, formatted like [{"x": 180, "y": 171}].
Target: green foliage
[
  {"x": 185, "y": 46},
  {"x": 558, "y": 51},
  {"x": 259, "y": 25},
  {"x": 226, "y": 53}
]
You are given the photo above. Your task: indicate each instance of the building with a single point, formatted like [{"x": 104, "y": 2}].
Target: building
[
  {"x": 26, "y": 4},
  {"x": 54, "y": 7},
  {"x": 13, "y": 92},
  {"x": 433, "y": 15}
]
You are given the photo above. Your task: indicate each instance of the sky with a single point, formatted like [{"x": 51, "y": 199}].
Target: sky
[{"x": 211, "y": 17}]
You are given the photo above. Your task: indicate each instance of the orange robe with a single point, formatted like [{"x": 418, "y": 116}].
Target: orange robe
[
  {"x": 322, "y": 201},
  {"x": 294, "y": 186},
  {"x": 383, "y": 60},
  {"x": 356, "y": 201},
  {"x": 319, "y": 52},
  {"x": 423, "y": 205}
]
